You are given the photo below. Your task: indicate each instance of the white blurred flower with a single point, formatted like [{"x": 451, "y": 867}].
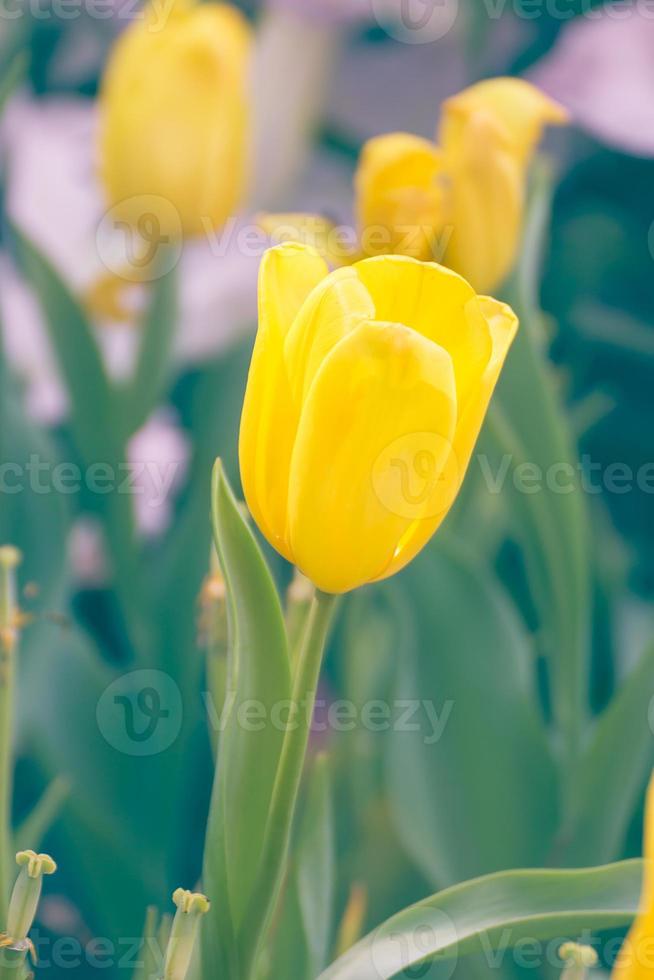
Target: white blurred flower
[
  {"x": 327, "y": 10},
  {"x": 602, "y": 70},
  {"x": 28, "y": 349},
  {"x": 53, "y": 197},
  {"x": 87, "y": 554},
  {"x": 158, "y": 455}
]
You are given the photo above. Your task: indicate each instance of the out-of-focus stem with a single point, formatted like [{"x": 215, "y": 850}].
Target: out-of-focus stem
[
  {"x": 216, "y": 633},
  {"x": 9, "y": 613},
  {"x": 298, "y": 606}
]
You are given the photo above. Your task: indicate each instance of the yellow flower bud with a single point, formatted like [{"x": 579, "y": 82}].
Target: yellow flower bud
[
  {"x": 367, "y": 390},
  {"x": 461, "y": 202},
  {"x": 398, "y": 196},
  {"x": 488, "y": 135},
  {"x": 174, "y": 118}
]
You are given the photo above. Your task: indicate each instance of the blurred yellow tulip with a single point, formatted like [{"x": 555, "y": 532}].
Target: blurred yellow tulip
[
  {"x": 636, "y": 958},
  {"x": 463, "y": 201},
  {"x": 367, "y": 390},
  {"x": 174, "y": 142}
]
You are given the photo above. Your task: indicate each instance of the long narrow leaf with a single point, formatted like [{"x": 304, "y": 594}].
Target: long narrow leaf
[
  {"x": 495, "y": 912},
  {"x": 621, "y": 754},
  {"x": 250, "y": 745},
  {"x": 154, "y": 361}
]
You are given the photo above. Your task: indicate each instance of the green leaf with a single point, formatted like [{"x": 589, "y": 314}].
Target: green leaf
[
  {"x": 95, "y": 419},
  {"x": 31, "y": 518},
  {"x": 12, "y": 76},
  {"x": 30, "y": 833},
  {"x": 620, "y": 754},
  {"x": 494, "y": 913},
  {"x": 248, "y": 751},
  {"x": 471, "y": 779},
  {"x": 302, "y": 934},
  {"x": 93, "y": 411},
  {"x": 153, "y": 367},
  {"x": 553, "y": 522}
]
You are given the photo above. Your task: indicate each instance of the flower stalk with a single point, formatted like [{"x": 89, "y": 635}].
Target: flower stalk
[
  {"x": 298, "y": 606},
  {"x": 215, "y": 631},
  {"x": 289, "y": 774},
  {"x": 10, "y": 558}
]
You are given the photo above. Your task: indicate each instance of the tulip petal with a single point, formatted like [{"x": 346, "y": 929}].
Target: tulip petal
[
  {"x": 337, "y": 305},
  {"x": 518, "y": 107},
  {"x": 399, "y": 197},
  {"x": 269, "y": 422},
  {"x": 636, "y": 957},
  {"x": 486, "y": 204},
  {"x": 436, "y": 302},
  {"x": 374, "y": 434},
  {"x": 503, "y": 324}
]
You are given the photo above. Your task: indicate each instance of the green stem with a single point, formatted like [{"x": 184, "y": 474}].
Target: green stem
[
  {"x": 9, "y": 558},
  {"x": 287, "y": 783}
]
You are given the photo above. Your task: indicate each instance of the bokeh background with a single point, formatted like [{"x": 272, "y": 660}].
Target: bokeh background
[{"x": 470, "y": 625}]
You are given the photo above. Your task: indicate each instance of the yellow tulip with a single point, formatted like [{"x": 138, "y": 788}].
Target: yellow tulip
[
  {"x": 462, "y": 201},
  {"x": 636, "y": 958},
  {"x": 174, "y": 118},
  {"x": 367, "y": 390}
]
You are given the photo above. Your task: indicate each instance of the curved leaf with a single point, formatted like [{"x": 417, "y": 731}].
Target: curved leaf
[
  {"x": 621, "y": 753},
  {"x": 471, "y": 779},
  {"x": 250, "y": 745},
  {"x": 494, "y": 912}
]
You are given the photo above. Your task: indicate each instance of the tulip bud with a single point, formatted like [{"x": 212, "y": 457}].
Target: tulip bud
[
  {"x": 27, "y": 892},
  {"x": 366, "y": 393},
  {"x": 578, "y": 960},
  {"x": 15, "y": 943},
  {"x": 190, "y": 909},
  {"x": 461, "y": 203},
  {"x": 488, "y": 134},
  {"x": 399, "y": 196},
  {"x": 174, "y": 119}
]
